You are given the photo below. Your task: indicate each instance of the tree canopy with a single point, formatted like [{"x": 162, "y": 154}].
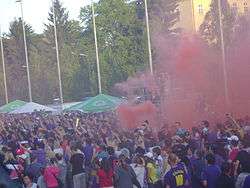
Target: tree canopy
[{"x": 122, "y": 43}]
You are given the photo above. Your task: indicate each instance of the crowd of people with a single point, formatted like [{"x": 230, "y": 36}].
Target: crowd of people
[{"x": 76, "y": 150}]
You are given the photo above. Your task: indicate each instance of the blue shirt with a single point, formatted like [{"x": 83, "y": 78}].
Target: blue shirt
[
  {"x": 40, "y": 154},
  {"x": 247, "y": 182},
  {"x": 211, "y": 137},
  {"x": 176, "y": 177},
  {"x": 34, "y": 169},
  {"x": 211, "y": 175},
  {"x": 219, "y": 160},
  {"x": 88, "y": 153}
]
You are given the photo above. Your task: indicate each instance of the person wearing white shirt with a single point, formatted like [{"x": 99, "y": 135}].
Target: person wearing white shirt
[{"x": 139, "y": 168}]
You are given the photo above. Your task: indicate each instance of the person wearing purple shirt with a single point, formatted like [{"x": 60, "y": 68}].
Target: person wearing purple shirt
[
  {"x": 40, "y": 154},
  {"x": 247, "y": 182},
  {"x": 211, "y": 173},
  {"x": 211, "y": 137},
  {"x": 198, "y": 166},
  {"x": 177, "y": 176},
  {"x": 88, "y": 151},
  {"x": 219, "y": 160}
]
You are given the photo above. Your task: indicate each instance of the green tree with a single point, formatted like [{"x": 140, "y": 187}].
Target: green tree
[
  {"x": 62, "y": 23},
  {"x": 163, "y": 18},
  {"x": 121, "y": 39},
  {"x": 15, "y": 59},
  {"x": 68, "y": 35},
  {"x": 164, "y": 15},
  {"x": 210, "y": 28},
  {"x": 43, "y": 71}
]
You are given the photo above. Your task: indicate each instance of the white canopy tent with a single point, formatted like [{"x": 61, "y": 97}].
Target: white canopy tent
[{"x": 32, "y": 107}]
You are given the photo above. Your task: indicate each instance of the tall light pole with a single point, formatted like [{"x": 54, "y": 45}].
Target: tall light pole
[
  {"x": 223, "y": 55},
  {"x": 96, "y": 51},
  {"x": 193, "y": 18},
  {"x": 4, "y": 72},
  {"x": 26, "y": 51},
  {"x": 148, "y": 36},
  {"x": 57, "y": 56}
]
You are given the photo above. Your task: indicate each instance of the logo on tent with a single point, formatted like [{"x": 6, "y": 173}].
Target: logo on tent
[{"x": 100, "y": 103}]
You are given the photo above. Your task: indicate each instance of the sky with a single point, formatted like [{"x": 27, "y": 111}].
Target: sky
[{"x": 35, "y": 11}]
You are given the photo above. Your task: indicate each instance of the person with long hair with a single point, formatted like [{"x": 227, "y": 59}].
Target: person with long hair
[
  {"x": 105, "y": 174},
  {"x": 51, "y": 174}
]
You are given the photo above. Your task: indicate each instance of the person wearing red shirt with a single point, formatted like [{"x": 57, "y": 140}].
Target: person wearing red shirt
[
  {"x": 51, "y": 174},
  {"x": 105, "y": 174},
  {"x": 234, "y": 151}
]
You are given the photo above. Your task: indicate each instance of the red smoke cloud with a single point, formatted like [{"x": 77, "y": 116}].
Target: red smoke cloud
[
  {"x": 134, "y": 116},
  {"x": 192, "y": 88}
]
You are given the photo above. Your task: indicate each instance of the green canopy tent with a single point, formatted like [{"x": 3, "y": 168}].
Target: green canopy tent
[
  {"x": 12, "y": 106},
  {"x": 99, "y": 103}
]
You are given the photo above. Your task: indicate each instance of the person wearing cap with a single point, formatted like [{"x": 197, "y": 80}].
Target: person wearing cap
[{"x": 177, "y": 176}]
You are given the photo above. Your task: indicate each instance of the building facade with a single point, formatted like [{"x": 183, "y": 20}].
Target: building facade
[
  {"x": 240, "y": 6},
  {"x": 193, "y": 12}
]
